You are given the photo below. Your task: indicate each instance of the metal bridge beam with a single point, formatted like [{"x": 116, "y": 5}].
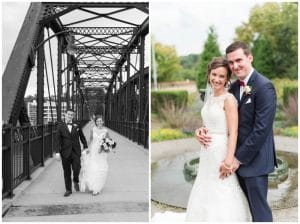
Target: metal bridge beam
[
  {"x": 19, "y": 65},
  {"x": 101, "y": 50},
  {"x": 143, "y": 30},
  {"x": 59, "y": 77},
  {"x": 94, "y": 80},
  {"x": 96, "y": 69},
  {"x": 40, "y": 80},
  {"x": 102, "y": 30}
]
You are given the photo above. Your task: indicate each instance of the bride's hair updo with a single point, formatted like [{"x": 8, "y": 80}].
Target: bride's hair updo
[
  {"x": 217, "y": 62},
  {"x": 97, "y": 117}
]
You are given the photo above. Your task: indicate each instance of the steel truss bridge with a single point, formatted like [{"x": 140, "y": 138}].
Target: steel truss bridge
[{"x": 89, "y": 57}]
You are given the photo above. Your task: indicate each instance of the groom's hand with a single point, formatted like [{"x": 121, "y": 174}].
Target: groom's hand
[
  {"x": 235, "y": 165},
  {"x": 202, "y": 136},
  {"x": 85, "y": 151},
  {"x": 57, "y": 156}
]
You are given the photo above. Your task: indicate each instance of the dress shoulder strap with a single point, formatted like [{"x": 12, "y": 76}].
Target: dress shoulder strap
[{"x": 230, "y": 96}]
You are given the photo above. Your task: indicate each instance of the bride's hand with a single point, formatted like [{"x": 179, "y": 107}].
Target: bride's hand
[
  {"x": 202, "y": 137},
  {"x": 225, "y": 170},
  {"x": 84, "y": 152}
]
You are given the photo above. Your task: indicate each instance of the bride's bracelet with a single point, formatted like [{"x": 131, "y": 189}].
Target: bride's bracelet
[{"x": 226, "y": 166}]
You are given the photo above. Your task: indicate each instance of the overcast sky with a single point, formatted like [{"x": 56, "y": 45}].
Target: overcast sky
[
  {"x": 13, "y": 14},
  {"x": 185, "y": 24}
]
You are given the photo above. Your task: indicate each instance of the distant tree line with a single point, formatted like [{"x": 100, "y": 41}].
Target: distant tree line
[{"x": 271, "y": 31}]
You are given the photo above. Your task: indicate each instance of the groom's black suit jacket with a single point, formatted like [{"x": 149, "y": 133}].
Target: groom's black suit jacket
[{"x": 69, "y": 141}]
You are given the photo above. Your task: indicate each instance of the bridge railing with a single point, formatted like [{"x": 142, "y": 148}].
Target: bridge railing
[
  {"x": 24, "y": 149},
  {"x": 135, "y": 131}
]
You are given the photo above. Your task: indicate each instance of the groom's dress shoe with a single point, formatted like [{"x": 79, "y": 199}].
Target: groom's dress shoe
[
  {"x": 76, "y": 186},
  {"x": 68, "y": 193}
]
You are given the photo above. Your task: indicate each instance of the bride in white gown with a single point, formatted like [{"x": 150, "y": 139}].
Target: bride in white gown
[
  {"x": 94, "y": 165},
  {"x": 213, "y": 198}
]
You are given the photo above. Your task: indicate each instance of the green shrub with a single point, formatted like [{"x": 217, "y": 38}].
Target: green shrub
[
  {"x": 166, "y": 134},
  {"x": 158, "y": 98},
  {"x": 174, "y": 116},
  {"x": 290, "y": 101},
  {"x": 287, "y": 92},
  {"x": 279, "y": 116},
  {"x": 290, "y": 131},
  {"x": 280, "y": 84}
]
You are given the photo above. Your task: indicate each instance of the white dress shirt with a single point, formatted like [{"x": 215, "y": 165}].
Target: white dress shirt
[{"x": 245, "y": 81}]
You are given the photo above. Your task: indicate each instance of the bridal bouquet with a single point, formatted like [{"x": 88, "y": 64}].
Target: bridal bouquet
[{"x": 107, "y": 145}]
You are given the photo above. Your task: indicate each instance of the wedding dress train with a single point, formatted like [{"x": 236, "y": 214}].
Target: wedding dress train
[{"x": 94, "y": 165}]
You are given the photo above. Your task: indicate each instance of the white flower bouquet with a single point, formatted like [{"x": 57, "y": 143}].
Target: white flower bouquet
[{"x": 107, "y": 145}]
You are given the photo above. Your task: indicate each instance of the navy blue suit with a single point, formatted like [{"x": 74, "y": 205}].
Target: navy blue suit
[{"x": 255, "y": 146}]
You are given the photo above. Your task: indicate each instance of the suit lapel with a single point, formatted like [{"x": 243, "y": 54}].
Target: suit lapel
[
  {"x": 72, "y": 129},
  {"x": 236, "y": 91},
  {"x": 250, "y": 83}
]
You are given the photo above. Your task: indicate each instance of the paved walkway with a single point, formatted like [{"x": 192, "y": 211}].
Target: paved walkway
[
  {"x": 124, "y": 197},
  {"x": 168, "y": 149},
  {"x": 171, "y": 148}
]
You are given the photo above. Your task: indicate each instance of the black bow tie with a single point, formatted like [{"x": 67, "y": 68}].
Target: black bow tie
[{"x": 69, "y": 123}]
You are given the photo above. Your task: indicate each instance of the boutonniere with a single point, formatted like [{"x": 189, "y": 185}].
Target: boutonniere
[
  {"x": 75, "y": 125},
  {"x": 247, "y": 90}
]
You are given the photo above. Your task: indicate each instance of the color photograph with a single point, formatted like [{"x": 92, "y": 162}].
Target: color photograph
[{"x": 224, "y": 111}]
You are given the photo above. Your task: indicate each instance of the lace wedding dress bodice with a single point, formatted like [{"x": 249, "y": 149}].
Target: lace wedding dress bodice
[
  {"x": 99, "y": 134},
  {"x": 213, "y": 114},
  {"x": 94, "y": 165}
]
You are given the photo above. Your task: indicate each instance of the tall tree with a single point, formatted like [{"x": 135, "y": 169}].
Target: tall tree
[
  {"x": 210, "y": 50},
  {"x": 277, "y": 23},
  {"x": 262, "y": 50},
  {"x": 167, "y": 61},
  {"x": 190, "y": 65}
]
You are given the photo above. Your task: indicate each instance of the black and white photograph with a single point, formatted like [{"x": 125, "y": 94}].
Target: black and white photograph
[{"x": 75, "y": 111}]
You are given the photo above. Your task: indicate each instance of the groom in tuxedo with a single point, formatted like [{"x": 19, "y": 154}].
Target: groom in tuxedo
[
  {"x": 255, "y": 151},
  {"x": 69, "y": 150}
]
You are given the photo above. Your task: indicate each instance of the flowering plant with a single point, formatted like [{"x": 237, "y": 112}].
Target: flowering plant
[
  {"x": 247, "y": 90},
  {"x": 107, "y": 145}
]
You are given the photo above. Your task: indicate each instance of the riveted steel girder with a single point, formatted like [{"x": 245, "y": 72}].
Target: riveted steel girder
[
  {"x": 102, "y": 30},
  {"x": 96, "y": 69},
  {"x": 101, "y": 50},
  {"x": 18, "y": 68},
  {"x": 86, "y": 80}
]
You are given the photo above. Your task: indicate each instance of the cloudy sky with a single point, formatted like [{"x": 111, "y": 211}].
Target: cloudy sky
[
  {"x": 13, "y": 14},
  {"x": 185, "y": 24}
]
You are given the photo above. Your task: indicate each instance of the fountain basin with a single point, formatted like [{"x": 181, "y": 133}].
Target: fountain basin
[
  {"x": 170, "y": 185},
  {"x": 279, "y": 175}
]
